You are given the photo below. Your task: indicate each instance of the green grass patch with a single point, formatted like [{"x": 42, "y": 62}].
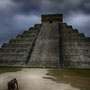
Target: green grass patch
[
  {"x": 9, "y": 69},
  {"x": 76, "y": 77}
]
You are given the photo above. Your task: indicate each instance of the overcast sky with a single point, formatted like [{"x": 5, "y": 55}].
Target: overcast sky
[{"x": 18, "y": 15}]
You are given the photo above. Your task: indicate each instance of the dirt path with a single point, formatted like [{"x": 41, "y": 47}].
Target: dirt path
[{"x": 32, "y": 79}]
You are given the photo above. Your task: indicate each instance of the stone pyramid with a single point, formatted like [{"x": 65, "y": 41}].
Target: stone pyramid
[{"x": 49, "y": 44}]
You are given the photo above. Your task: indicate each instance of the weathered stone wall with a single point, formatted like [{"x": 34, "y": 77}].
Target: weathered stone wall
[
  {"x": 76, "y": 48},
  {"x": 18, "y": 50}
]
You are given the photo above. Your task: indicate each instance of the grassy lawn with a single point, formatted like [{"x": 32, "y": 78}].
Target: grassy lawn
[
  {"x": 79, "y": 78},
  {"x": 9, "y": 69}
]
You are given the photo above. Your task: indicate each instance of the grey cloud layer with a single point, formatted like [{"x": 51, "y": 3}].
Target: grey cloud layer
[
  {"x": 18, "y": 15},
  {"x": 64, "y": 6}
]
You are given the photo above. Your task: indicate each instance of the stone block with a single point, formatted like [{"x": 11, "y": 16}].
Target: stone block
[{"x": 7, "y": 45}]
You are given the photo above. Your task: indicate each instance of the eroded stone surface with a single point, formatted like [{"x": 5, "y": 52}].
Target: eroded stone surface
[{"x": 49, "y": 44}]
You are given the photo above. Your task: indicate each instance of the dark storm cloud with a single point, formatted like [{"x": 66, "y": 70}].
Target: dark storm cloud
[
  {"x": 65, "y": 6},
  {"x": 18, "y": 15},
  {"x": 28, "y": 5}
]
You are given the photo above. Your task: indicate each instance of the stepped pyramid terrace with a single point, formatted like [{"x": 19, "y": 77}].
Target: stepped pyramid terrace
[{"x": 52, "y": 43}]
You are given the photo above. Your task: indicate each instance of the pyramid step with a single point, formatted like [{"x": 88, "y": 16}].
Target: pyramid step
[
  {"x": 30, "y": 31},
  {"x": 64, "y": 24},
  {"x": 37, "y": 26},
  {"x": 75, "y": 30},
  {"x": 74, "y": 35},
  {"x": 75, "y": 47},
  {"x": 82, "y": 35},
  {"x": 12, "y": 60},
  {"x": 9, "y": 45},
  {"x": 16, "y": 56},
  {"x": 69, "y": 27},
  {"x": 13, "y": 55},
  {"x": 25, "y": 39},
  {"x": 26, "y": 36},
  {"x": 71, "y": 31},
  {"x": 14, "y": 50},
  {"x": 74, "y": 39},
  {"x": 21, "y": 41},
  {"x": 33, "y": 28},
  {"x": 73, "y": 44}
]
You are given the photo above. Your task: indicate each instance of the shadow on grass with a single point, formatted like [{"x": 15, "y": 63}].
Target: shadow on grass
[{"x": 76, "y": 77}]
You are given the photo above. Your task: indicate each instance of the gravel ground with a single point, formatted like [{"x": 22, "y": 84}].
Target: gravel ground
[{"x": 32, "y": 79}]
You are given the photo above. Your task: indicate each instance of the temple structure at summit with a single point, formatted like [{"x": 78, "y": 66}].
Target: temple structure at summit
[{"x": 49, "y": 44}]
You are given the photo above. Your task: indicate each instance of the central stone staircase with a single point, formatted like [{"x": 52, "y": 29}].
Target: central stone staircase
[{"x": 46, "y": 50}]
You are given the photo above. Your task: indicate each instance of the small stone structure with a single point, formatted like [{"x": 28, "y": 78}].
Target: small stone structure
[{"x": 49, "y": 44}]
